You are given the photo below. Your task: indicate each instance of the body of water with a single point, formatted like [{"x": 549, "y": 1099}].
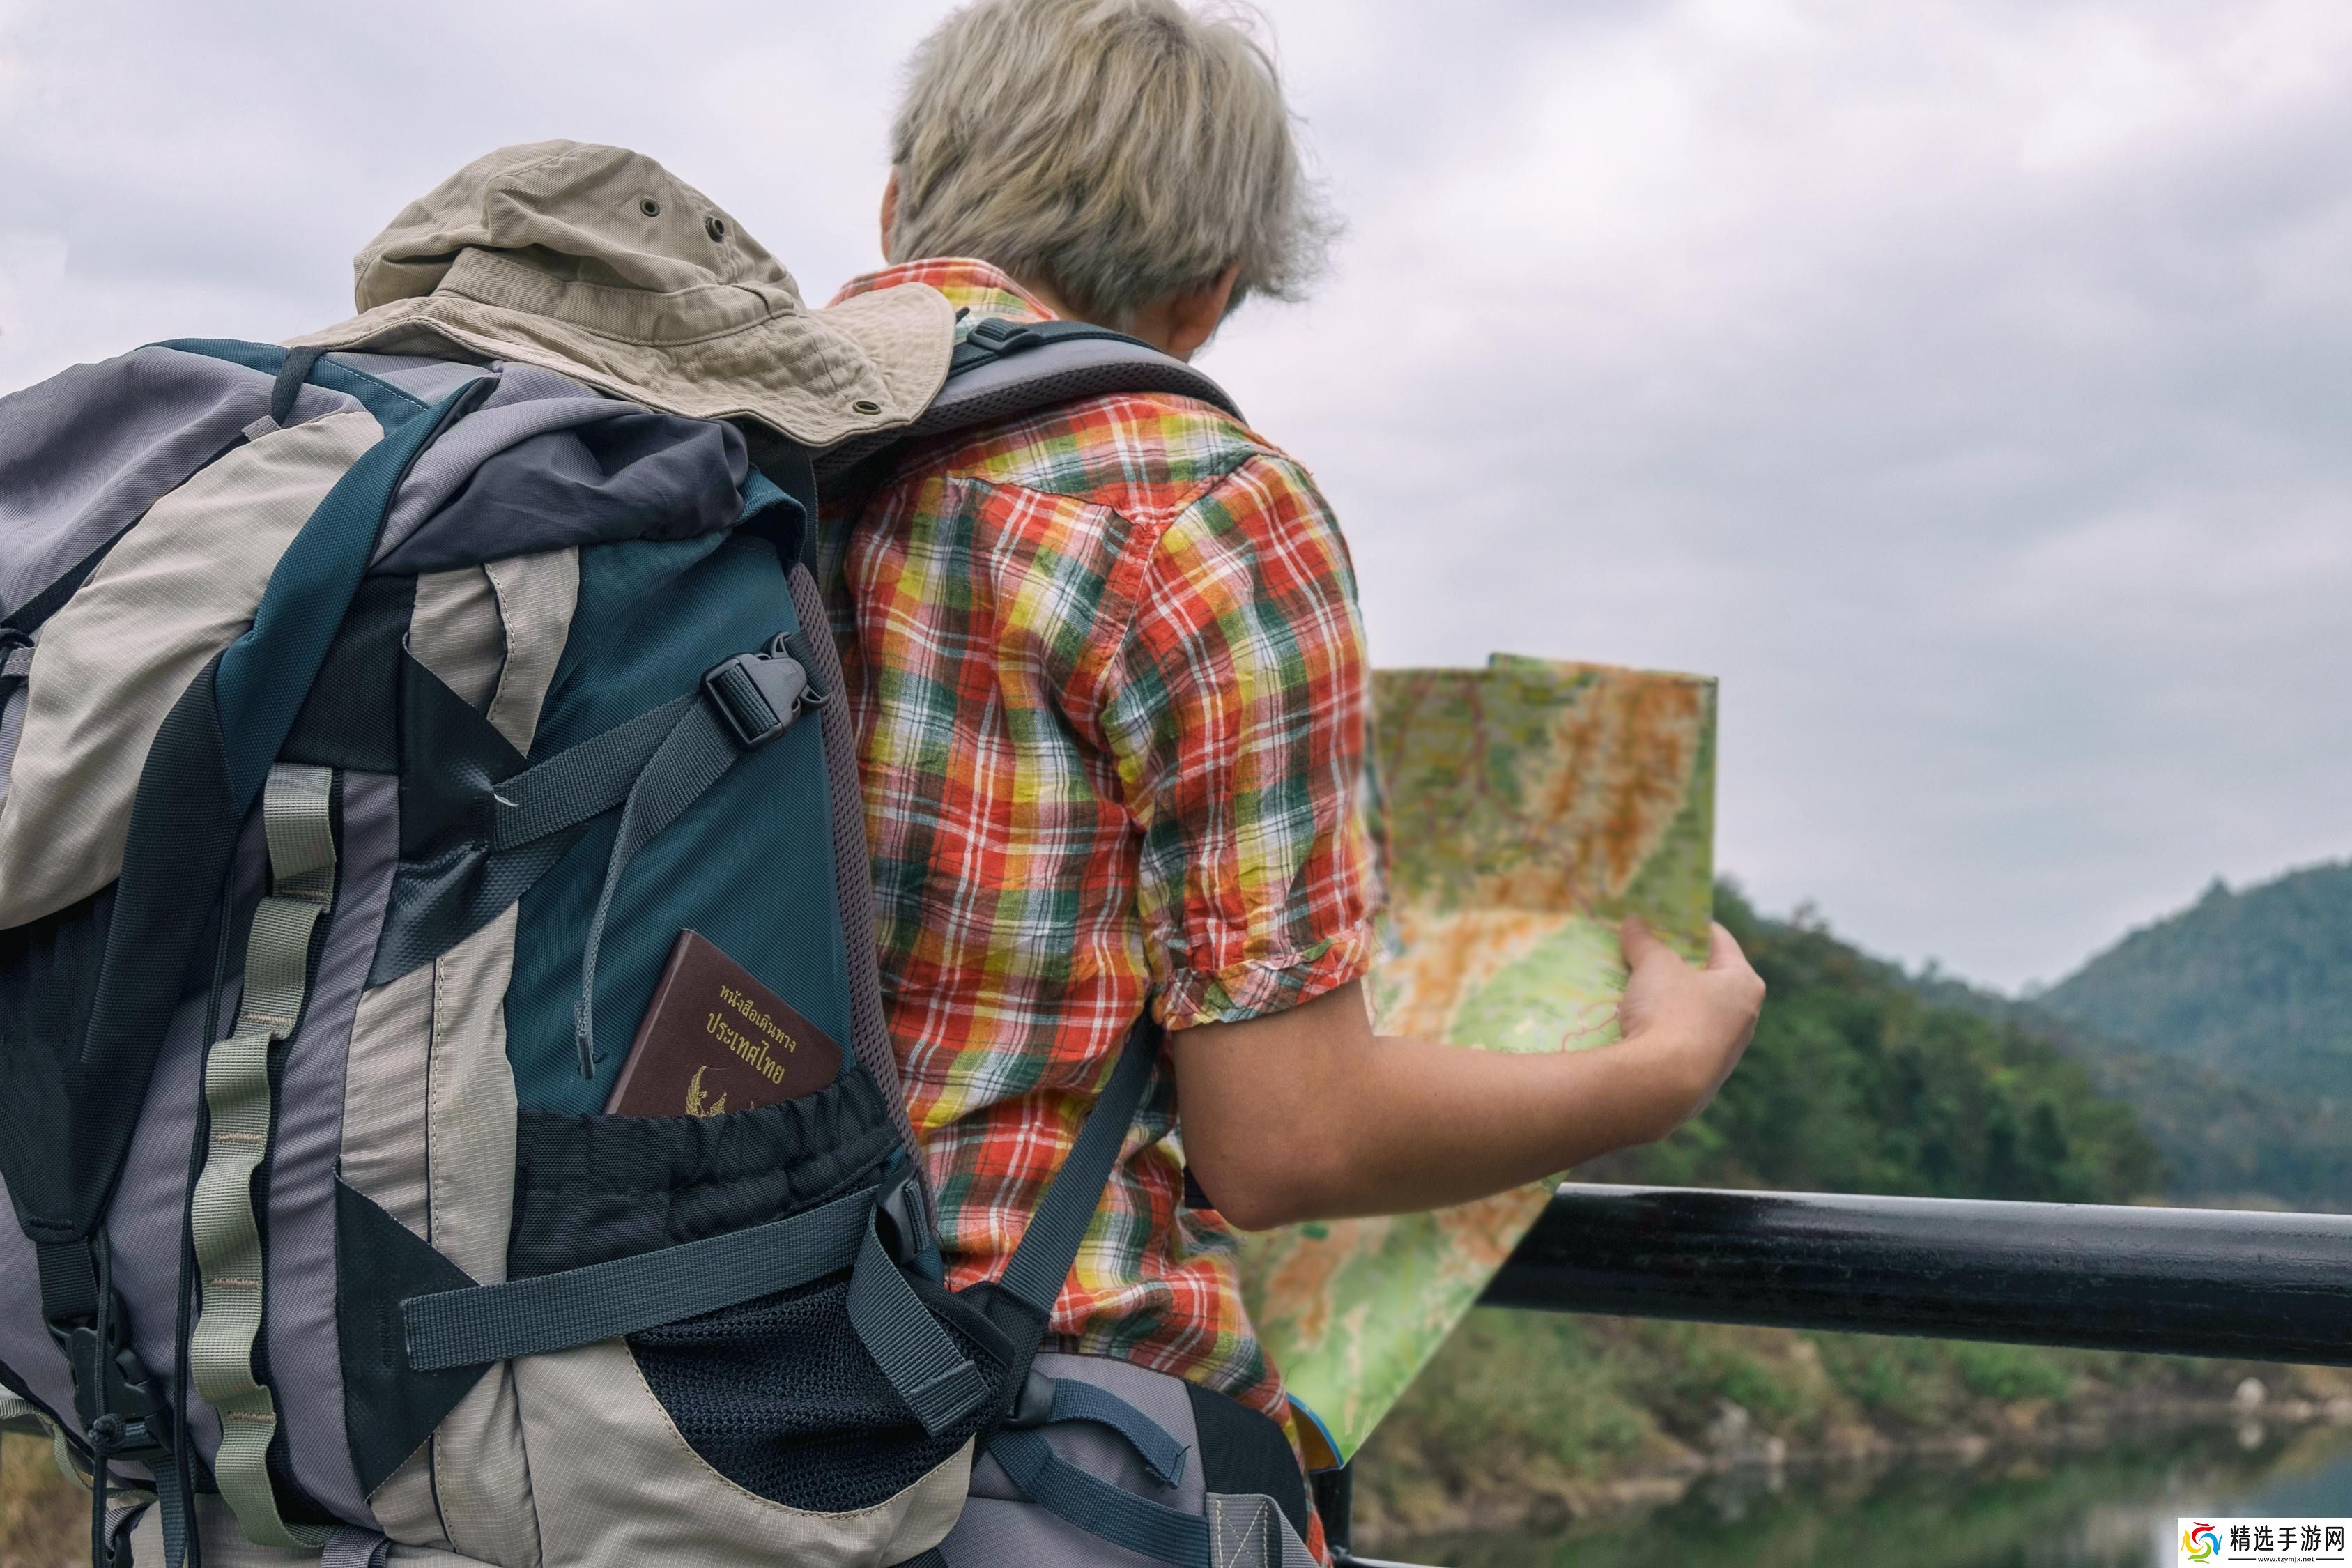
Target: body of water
[{"x": 2111, "y": 1510}]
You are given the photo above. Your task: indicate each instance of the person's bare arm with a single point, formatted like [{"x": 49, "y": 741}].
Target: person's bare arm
[{"x": 1307, "y": 1115}]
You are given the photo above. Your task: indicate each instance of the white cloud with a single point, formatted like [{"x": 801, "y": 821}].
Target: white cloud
[{"x": 1962, "y": 380}]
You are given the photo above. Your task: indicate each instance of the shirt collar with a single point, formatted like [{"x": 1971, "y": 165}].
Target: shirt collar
[{"x": 976, "y": 286}]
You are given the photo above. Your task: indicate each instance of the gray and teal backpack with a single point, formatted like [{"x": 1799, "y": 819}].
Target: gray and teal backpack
[{"x": 370, "y": 727}]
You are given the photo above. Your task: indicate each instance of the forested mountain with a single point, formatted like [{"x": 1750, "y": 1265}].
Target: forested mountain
[
  {"x": 1859, "y": 1083},
  {"x": 2228, "y": 1027},
  {"x": 2257, "y": 983}
]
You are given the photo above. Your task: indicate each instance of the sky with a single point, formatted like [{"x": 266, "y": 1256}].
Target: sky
[{"x": 1965, "y": 383}]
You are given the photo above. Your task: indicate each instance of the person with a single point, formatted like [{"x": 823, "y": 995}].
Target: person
[{"x": 1109, "y": 677}]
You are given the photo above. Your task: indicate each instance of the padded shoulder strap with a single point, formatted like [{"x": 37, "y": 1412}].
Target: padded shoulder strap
[{"x": 1004, "y": 369}]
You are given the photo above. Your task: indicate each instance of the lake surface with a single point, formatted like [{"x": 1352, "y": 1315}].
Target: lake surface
[{"x": 2111, "y": 1510}]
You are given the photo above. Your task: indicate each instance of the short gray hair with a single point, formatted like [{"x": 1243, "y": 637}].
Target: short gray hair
[{"x": 1114, "y": 152}]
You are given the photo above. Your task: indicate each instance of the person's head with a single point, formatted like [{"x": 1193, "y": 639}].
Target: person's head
[{"x": 1131, "y": 161}]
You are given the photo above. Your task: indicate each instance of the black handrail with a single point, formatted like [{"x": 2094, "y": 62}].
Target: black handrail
[{"x": 2206, "y": 1282}]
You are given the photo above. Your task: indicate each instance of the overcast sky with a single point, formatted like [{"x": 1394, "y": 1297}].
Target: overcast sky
[{"x": 1966, "y": 384}]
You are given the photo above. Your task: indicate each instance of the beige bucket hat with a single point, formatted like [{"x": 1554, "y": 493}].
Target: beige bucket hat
[{"x": 598, "y": 263}]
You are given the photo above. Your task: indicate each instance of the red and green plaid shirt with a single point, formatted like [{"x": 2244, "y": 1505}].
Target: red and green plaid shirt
[{"x": 1109, "y": 682}]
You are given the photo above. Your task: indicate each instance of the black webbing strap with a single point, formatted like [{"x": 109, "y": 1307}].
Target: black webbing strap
[
  {"x": 1050, "y": 1245},
  {"x": 1040, "y": 1264},
  {"x": 924, "y": 1364},
  {"x": 1099, "y": 1507},
  {"x": 124, "y": 1415},
  {"x": 172, "y": 1516},
  {"x": 922, "y": 1360},
  {"x": 580, "y": 781},
  {"x": 68, "y": 1282},
  {"x": 291, "y": 378},
  {"x": 694, "y": 755},
  {"x": 549, "y": 1312},
  {"x": 1161, "y": 1454},
  {"x": 744, "y": 703}
]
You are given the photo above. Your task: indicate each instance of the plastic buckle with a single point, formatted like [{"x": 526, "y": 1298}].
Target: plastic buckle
[
  {"x": 909, "y": 1235},
  {"x": 794, "y": 643},
  {"x": 903, "y": 1207},
  {"x": 1034, "y": 1407},
  {"x": 998, "y": 335},
  {"x": 131, "y": 1420},
  {"x": 757, "y": 695}
]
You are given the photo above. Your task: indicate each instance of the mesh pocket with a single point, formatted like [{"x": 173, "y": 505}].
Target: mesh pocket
[{"x": 780, "y": 1396}]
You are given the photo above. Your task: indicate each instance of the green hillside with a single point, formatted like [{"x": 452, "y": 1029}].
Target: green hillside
[
  {"x": 1858, "y": 1083},
  {"x": 2258, "y": 983},
  {"x": 2228, "y": 1027}
]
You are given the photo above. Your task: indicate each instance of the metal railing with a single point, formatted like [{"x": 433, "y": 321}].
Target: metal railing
[
  {"x": 2233, "y": 1283},
  {"x": 2185, "y": 1282}
]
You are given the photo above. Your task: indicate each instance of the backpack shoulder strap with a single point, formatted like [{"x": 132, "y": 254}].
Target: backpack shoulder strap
[
  {"x": 1004, "y": 369},
  {"x": 1048, "y": 1249}
]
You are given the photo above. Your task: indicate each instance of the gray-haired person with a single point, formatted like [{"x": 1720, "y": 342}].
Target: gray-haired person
[{"x": 1109, "y": 678}]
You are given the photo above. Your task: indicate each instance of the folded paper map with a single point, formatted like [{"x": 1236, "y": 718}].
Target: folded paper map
[{"x": 1528, "y": 807}]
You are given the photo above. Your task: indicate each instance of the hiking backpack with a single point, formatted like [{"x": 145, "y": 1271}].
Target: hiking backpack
[{"x": 370, "y": 727}]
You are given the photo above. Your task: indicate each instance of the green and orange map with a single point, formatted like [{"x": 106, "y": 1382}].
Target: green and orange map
[{"x": 1528, "y": 807}]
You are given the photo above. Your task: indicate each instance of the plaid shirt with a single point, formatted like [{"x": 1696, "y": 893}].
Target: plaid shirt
[{"x": 1109, "y": 683}]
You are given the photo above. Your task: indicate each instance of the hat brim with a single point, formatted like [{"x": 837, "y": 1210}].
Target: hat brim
[{"x": 815, "y": 377}]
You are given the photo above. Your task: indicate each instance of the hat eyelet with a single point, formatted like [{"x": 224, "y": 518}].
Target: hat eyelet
[
  {"x": 865, "y": 405},
  {"x": 715, "y": 227},
  {"x": 649, "y": 206}
]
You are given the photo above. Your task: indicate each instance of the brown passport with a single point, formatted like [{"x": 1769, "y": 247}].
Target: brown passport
[{"x": 716, "y": 1040}]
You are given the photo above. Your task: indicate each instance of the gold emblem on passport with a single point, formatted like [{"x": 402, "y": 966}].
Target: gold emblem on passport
[
  {"x": 695, "y": 1104},
  {"x": 715, "y": 1040}
]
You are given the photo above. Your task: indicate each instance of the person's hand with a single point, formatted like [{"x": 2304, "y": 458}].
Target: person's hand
[{"x": 1697, "y": 1022}]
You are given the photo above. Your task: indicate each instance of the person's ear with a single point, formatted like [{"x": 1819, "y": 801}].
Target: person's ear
[
  {"x": 889, "y": 211},
  {"x": 1192, "y": 317}
]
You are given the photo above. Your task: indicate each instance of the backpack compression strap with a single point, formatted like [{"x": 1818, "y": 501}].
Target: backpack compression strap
[
  {"x": 1004, "y": 369},
  {"x": 475, "y": 1325}
]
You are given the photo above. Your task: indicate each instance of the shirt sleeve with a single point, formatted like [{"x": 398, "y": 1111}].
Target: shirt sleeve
[{"x": 1235, "y": 710}]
